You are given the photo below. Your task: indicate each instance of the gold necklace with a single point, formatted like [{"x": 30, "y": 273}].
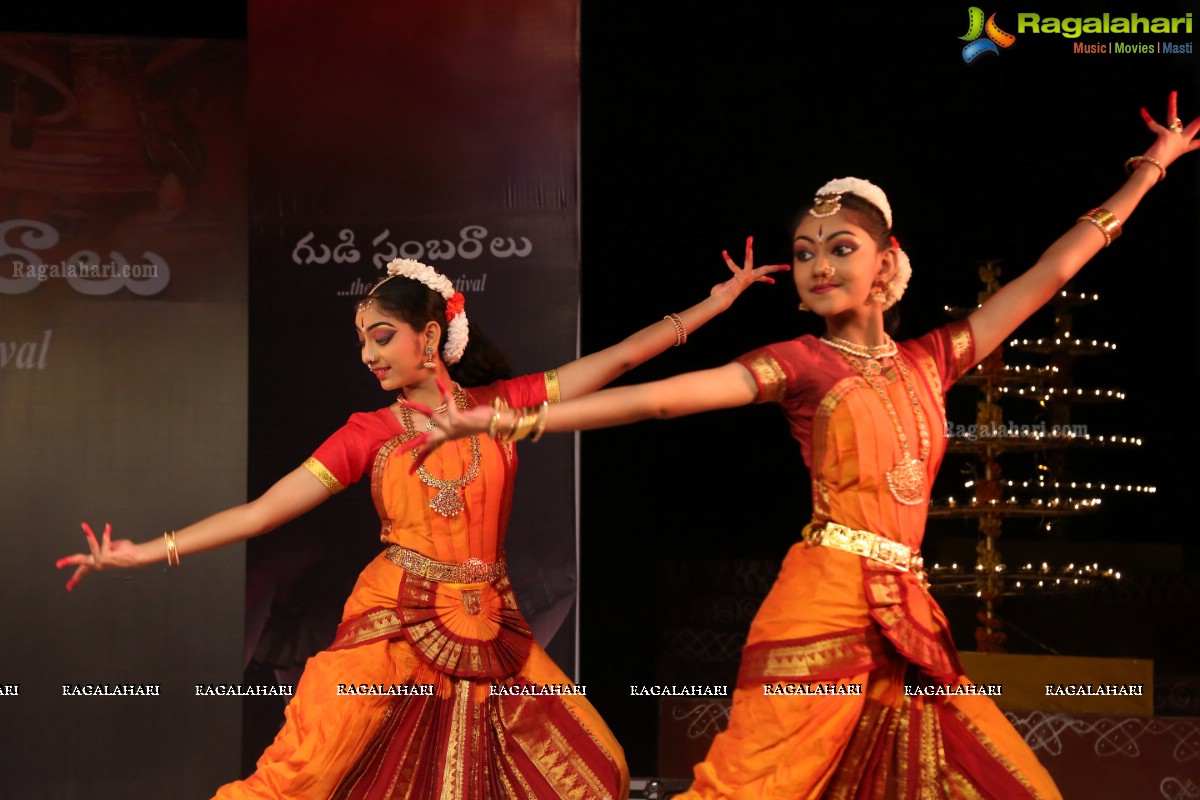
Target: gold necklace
[
  {"x": 906, "y": 480},
  {"x": 447, "y": 501},
  {"x": 872, "y": 353}
]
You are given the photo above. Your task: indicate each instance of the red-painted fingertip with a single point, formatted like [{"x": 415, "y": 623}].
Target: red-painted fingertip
[
  {"x": 70, "y": 585},
  {"x": 725, "y": 253},
  {"x": 1146, "y": 114},
  {"x": 768, "y": 280},
  {"x": 749, "y": 240}
]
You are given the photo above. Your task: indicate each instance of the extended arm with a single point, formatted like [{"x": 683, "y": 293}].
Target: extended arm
[
  {"x": 291, "y": 496},
  {"x": 1016, "y": 301},
  {"x": 601, "y": 368},
  {"x": 723, "y": 387},
  {"x": 707, "y": 390}
]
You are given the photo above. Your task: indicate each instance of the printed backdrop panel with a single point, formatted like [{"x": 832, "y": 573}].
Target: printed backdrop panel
[{"x": 122, "y": 400}]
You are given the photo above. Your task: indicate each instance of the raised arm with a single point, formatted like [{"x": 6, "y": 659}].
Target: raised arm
[
  {"x": 601, "y": 368},
  {"x": 1017, "y": 300},
  {"x": 291, "y": 496}
]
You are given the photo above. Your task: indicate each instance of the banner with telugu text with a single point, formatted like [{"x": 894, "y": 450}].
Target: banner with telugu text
[{"x": 442, "y": 133}]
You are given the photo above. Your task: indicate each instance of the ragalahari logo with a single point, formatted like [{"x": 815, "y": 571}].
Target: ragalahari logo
[{"x": 976, "y": 27}]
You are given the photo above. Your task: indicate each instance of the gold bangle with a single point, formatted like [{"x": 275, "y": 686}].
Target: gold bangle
[
  {"x": 1135, "y": 162},
  {"x": 523, "y": 423},
  {"x": 540, "y": 428},
  {"x": 681, "y": 331},
  {"x": 494, "y": 424},
  {"x": 529, "y": 417},
  {"x": 508, "y": 435},
  {"x": 172, "y": 551},
  {"x": 1106, "y": 221}
]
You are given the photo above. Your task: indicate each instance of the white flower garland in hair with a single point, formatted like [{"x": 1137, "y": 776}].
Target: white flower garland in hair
[
  {"x": 864, "y": 189},
  {"x": 459, "y": 331},
  {"x": 895, "y": 288},
  {"x": 456, "y": 338}
]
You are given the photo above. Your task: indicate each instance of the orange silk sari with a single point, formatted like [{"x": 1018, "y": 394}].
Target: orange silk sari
[
  {"x": 839, "y": 619},
  {"x": 403, "y": 705}
]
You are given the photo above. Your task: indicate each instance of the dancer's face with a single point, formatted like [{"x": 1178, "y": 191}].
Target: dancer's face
[
  {"x": 391, "y": 348},
  {"x": 836, "y": 264}
]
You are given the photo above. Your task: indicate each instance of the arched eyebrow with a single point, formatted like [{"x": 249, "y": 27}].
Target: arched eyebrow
[
  {"x": 814, "y": 241},
  {"x": 370, "y": 328}
]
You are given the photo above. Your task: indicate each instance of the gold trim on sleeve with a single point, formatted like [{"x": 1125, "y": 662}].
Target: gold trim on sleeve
[
  {"x": 771, "y": 379},
  {"x": 553, "y": 395},
  {"x": 322, "y": 474},
  {"x": 962, "y": 341}
]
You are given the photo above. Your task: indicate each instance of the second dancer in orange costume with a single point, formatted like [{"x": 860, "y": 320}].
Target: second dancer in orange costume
[{"x": 851, "y": 611}]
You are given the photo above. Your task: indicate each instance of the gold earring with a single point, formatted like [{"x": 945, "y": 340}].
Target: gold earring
[
  {"x": 429, "y": 358},
  {"x": 804, "y": 307},
  {"x": 879, "y": 295}
]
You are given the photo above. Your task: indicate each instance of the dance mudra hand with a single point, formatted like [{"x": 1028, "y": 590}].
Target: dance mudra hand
[
  {"x": 105, "y": 554},
  {"x": 1173, "y": 138},
  {"x": 455, "y": 424},
  {"x": 746, "y": 274},
  {"x": 451, "y": 424}
]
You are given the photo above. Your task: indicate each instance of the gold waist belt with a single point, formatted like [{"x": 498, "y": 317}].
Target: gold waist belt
[
  {"x": 473, "y": 570},
  {"x": 865, "y": 544}
]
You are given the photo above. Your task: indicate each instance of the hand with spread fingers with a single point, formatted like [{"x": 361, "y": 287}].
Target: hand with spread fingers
[
  {"x": 105, "y": 554},
  {"x": 450, "y": 424},
  {"x": 1174, "y": 139},
  {"x": 745, "y": 275}
]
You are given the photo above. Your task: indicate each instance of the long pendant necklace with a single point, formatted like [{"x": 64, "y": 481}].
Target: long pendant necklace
[
  {"x": 906, "y": 480},
  {"x": 447, "y": 502}
]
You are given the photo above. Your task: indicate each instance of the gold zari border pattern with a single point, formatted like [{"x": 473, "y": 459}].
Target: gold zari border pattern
[
  {"x": 835, "y": 655},
  {"x": 553, "y": 394},
  {"x": 382, "y": 623},
  {"x": 771, "y": 379},
  {"x": 322, "y": 473},
  {"x": 964, "y": 347}
]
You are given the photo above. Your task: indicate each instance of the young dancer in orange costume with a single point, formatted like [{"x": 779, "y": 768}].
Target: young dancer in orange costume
[
  {"x": 850, "y": 607},
  {"x": 432, "y": 620}
]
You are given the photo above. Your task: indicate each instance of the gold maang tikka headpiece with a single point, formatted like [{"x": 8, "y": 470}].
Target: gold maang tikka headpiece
[{"x": 826, "y": 205}]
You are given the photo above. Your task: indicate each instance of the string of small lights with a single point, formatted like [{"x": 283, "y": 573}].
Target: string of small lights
[{"x": 1048, "y": 495}]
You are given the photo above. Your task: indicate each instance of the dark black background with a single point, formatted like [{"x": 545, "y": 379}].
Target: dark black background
[{"x": 702, "y": 128}]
